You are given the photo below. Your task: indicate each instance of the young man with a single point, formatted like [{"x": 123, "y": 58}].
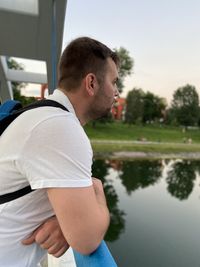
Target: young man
[{"x": 48, "y": 149}]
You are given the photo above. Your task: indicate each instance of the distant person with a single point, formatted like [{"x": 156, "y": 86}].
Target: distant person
[{"x": 47, "y": 148}]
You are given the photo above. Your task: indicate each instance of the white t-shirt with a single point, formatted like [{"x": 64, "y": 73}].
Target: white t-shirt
[{"x": 43, "y": 147}]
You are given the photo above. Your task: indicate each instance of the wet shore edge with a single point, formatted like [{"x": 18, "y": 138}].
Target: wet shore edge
[{"x": 128, "y": 155}]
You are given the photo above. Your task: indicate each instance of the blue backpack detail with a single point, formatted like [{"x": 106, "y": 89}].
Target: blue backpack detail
[{"x": 9, "y": 107}]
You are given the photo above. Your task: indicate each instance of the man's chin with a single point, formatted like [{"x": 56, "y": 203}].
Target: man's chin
[{"x": 106, "y": 115}]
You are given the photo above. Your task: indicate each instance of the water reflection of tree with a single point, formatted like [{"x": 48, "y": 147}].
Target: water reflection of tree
[
  {"x": 181, "y": 179},
  {"x": 196, "y": 164},
  {"x": 139, "y": 174},
  {"x": 100, "y": 170}
]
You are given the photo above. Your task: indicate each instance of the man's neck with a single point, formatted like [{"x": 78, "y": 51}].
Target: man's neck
[{"x": 77, "y": 102}]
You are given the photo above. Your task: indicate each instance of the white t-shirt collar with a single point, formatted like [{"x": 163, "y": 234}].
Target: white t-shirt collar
[{"x": 61, "y": 98}]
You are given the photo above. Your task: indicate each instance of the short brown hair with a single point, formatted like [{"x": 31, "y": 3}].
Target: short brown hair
[{"x": 82, "y": 56}]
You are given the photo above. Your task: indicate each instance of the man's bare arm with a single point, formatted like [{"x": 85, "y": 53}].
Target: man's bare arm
[{"x": 82, "y": 214}]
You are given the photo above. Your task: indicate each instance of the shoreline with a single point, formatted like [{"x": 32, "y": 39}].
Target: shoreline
[
  {"x": 124, "y": 149},
  {"x": 128, "y": 155}
]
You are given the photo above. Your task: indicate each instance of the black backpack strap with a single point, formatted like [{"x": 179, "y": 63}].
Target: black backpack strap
[
  {"x": 14, "y": 195},
  {"x": 41, "y": 103},
  {"x": 4, "y": 124}
]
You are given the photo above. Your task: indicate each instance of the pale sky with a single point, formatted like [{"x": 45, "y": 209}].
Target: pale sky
[{"x": 163, "y": 38}]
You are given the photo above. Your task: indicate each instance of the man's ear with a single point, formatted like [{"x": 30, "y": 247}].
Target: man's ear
[{"x": 90, "y": 83}]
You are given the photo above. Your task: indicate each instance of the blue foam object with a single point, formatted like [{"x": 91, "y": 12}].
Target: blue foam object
[{"x": 99, "y": 258}]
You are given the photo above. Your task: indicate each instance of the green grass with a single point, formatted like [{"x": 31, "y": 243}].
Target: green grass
[
  {"x": 120, "y": 131},
  {"x": 168, "y": 139},
  {"x": 158, "y": 148}
]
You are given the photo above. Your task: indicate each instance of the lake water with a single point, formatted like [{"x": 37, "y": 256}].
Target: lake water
[{"x": 155, "y": 211}]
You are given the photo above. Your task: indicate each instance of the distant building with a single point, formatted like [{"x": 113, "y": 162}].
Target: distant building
[{"x": 118, "y": 109}]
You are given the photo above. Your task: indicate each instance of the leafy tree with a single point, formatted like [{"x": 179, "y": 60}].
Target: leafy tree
[
  {"x": 13, "y": 64},
  {"x": 134, "y": 106},
  {"x": 153, "y": 107},
  {"x": 180, "y": 179},
  {"x": 185, "y": 105},
  {"x": 140, "y": 174},
  {"x": 170, "y": 117},
  {"x": 143, "y": 107},
  {"x": 126, "y": 65}
]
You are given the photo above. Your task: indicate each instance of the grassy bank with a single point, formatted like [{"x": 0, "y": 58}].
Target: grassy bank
[
  {"x": 144, "y": 147},
  {"x": 121, "y": 137}
]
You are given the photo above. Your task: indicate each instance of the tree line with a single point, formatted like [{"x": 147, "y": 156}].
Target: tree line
[{"x": 147, "y": 107}]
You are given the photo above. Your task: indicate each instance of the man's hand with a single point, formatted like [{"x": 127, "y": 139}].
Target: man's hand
[{"x": 49, "y": 236}]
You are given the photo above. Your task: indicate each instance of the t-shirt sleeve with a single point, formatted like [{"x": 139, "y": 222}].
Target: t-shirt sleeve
[{"x": 57, "y": 153}]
